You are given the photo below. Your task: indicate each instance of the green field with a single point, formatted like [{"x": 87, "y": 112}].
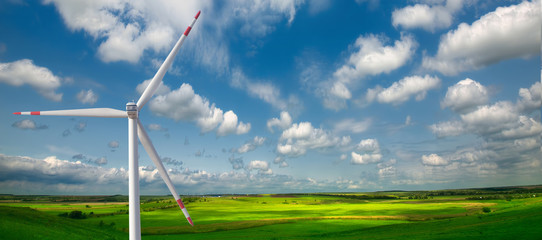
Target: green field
[{"x": 453, "y": 214}]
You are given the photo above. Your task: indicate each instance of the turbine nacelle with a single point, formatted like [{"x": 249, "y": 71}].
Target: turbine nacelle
[{"x": 132, "y": 110}]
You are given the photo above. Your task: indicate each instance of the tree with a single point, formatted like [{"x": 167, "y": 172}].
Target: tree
[{"x": 77, "y": 215}]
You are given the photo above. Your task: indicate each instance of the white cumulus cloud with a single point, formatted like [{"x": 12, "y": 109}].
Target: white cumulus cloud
[
  {"x": 530, "y": 98},
  {"x": 508, "y": 32},
  {"x": 251, "y": 145},
  {"x": 127, "y": 29},
  {"x": 501, "y": 120},
  {"x": 403, "y": 90},
  {"x": 465, "y": 96},
  {"x": 370, "y": 152},
  {"x": 183, "y": 104},
  {"x": 429, "y": 17},
  {"x": 365, "y": 158},
  {"x": 230, "y": 125},
  {"x": 261, "y": 166},
  {"x": 283, "y": 122},
  {"x": 24, "y": 72},
  {"x": 300, "y": 137},
  {"x": 371, "y": 58},
  {"x": 433, "y": 160}
]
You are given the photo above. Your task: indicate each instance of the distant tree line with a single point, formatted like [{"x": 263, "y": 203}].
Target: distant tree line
[
  {"x": 508, "y": 197},
  {"x": 360, "y": 197}
]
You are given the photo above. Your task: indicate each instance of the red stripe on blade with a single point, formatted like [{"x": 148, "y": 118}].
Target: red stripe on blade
[
  {"x": 190, "y": 221},
  {"x": 180, "y": 202},
  {"x": 17, "y": 113},
  {"x": 197, "y": 15},
  {"x": 187, "y": 31},
  {"x": 34, "y": 113}
]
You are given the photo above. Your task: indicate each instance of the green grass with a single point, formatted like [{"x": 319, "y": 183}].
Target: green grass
[
  {"x": 27, "y": 223},
  {"x": 353, "y": 216}
]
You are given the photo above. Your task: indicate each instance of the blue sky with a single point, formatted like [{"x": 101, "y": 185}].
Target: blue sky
[{"x": 273, "y": 96}]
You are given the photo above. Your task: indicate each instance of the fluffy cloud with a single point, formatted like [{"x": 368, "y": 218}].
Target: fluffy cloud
[
  {"x": 87, "y": 97},
  {"x": 184, "y": 104},
  {"x": 487, "y": 121},
  {"x": 24, "y": 71},
  {"x": 250, "y": 145},
  {"x": 365, "y": 158},
  {"x": 370, "y": 149},
  {"x": 491, "y": 118},
  {"x": 465, "y": 96},
  {"x": 259, "y": 165},
  {"x": 284, "y": 122},
  {"x": 433, "y": 160},
  {"x": 128, "y": 28},
  {"x": 402, "y": 90},
  {"x": 501, "y": 120},
  {"x": 371, "y": 58},
  {"x": 230, "y": 125},
  {"x": 530, "y": 98},
  {"x": 296, "y": 140},
  {"x": 508, "y": 32},
  {"x": 369, "y": 145},
  {"x": 428, "y": 17},
  {"x": 28, "y": 124},
  {"x": 523, "y": 127},
  {"x": 448, "y": 128}
]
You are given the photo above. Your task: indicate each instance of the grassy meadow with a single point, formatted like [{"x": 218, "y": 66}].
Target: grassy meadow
[{"x": 500, "y": 213}]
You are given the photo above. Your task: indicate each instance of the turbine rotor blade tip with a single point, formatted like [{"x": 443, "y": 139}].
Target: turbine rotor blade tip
[
  {"x": 17, "y": 113},
  {"x": 190, "y": 221},
  {"x": 197, "y": 15}
]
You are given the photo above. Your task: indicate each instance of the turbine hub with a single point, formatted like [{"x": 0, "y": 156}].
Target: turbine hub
[{"x": 131, "y": 110}]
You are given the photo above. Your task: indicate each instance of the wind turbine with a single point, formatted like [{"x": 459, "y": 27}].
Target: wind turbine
[{"x": 135, "y": 130}]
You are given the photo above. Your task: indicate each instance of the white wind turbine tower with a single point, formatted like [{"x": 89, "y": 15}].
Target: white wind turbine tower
[{"x": 135, "y": 130}]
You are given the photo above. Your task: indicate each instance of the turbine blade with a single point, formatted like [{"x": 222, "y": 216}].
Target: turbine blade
[
  {"x": 88, "y": 112},
  {"x": 149, "y": 148},
  {"x": 157, "y": 79}
]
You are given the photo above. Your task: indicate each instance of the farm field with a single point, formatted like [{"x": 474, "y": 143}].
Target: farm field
[{"x": 447, "y": 214}]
